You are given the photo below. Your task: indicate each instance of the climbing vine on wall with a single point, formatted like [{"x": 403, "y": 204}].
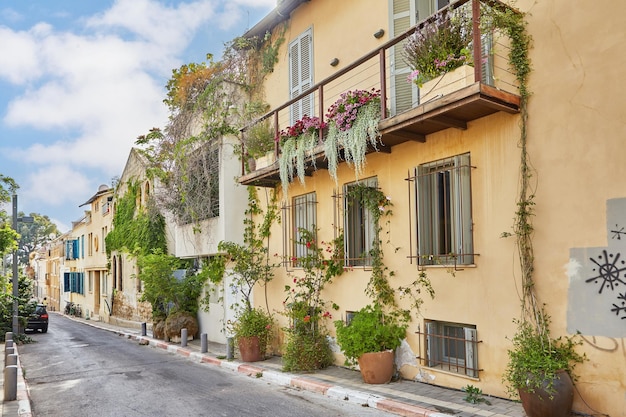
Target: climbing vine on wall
[
  {"x": 207, "y": 101},
  {"x": 136, "y": 231}
]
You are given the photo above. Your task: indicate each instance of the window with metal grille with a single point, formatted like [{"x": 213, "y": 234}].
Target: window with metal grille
[
  {"x": 359, "y": 227},
  {"x": 302, "y": 214},
  {"x": 452, "y": 347},
  {"x": 444, "y": 212}
]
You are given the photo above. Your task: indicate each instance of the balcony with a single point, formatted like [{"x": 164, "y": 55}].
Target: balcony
[{"x": 408, "y": 113}]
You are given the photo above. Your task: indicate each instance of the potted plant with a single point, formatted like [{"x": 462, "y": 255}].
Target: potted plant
[
  {"x": 440, "y": 46},
  {"x": 379, "y": 328},
  {"x": 370, "y": 340},
  {"x": 251, "y": 332},
  {"x": 248, "y": 266},
  {"x": 540, "y": 369}
]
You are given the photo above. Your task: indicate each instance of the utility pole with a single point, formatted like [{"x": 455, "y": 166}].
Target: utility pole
[{"x": 15, "y": 277}]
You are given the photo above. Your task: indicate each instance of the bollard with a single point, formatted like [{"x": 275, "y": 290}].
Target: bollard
[
  {"x": 7, "y": 352},
  {"x": 10, "y": 383},
  {"x": 230, "y": 348},
  {"x": 8, "y": 344},
  {"x": 8, "y": 336},
  {"x": 11, "y": 360},
  {"x": 183, "y": 337},
  {"x": 203, "y": 343},
  {"x": 143, "y": 329}
]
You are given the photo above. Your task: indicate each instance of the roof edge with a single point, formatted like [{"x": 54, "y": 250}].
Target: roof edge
[{"x": 280, "y": 13}]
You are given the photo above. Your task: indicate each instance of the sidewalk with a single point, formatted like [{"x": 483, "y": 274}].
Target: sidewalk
[{"x": 404, "y": 398}]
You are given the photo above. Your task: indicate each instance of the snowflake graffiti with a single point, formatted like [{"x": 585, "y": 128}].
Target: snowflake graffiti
[
  {"x": 609, "y": 269},
  {"x": 620, "y": 308},
  {"x": 617, "y": 233}
]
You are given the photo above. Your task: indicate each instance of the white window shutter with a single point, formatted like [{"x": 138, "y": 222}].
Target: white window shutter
[
  {"x": 471, "y": 356},
  {"x": 301, "y": 74},
  {"x": 432, "y": 345}
]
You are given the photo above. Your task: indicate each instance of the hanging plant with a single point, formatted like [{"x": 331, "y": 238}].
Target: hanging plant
[
  {"x": 298, "y": 142},
  {"x": 353, "y": 126}
]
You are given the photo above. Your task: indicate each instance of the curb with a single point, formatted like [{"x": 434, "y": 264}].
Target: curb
[
  {"x": 23, "y": 398},
  {"x": 285, "y": 379}
]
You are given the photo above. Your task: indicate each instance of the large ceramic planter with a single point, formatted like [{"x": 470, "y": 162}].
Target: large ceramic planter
[
  {"x": 377, "y": 367},
  {"x": 539, "y": 404},
  {"x": 447, "y": 83},
  {"x": 250, "y": 349}
]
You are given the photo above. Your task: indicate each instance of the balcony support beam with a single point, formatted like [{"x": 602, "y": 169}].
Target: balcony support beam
[{"x": 450, "y": 122}]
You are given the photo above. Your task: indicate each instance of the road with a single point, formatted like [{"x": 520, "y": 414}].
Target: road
[{"x": 79, "y": 370}]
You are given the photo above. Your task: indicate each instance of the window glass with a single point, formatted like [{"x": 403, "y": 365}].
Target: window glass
[
  {"x": 359, "y": 227},
  {"x": 444, "y": 222},
  {"x": 452, "y": 347}
]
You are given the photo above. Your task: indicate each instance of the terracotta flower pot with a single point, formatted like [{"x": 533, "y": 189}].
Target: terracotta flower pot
[
  {"x": 539, "y": 404},
  {"x": 250, "y": 349},
  {"x": 377, "y": 367}
]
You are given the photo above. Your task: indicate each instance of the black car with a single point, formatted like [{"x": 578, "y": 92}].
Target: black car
[{"x": 39, "y": 319}]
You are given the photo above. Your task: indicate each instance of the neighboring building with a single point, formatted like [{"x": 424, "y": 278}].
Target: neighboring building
[
  {"x": 38, "y": 268},
  {"x": 200, "y": 239},
  {"x": 95, "y": 262},
  {"x": 55, "y": 262},
  {"x": 73, "y": 271},
  {"x": 123, "y": 292},
  {"x": 450, "y": 162}
]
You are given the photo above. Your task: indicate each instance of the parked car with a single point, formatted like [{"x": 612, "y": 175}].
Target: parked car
[{"x": 39, "y": 319}]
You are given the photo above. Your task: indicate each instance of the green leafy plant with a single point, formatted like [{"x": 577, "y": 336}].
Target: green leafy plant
[
  {"x": 474, "y": 395},
  {"x": 163, "y": 290},
  {"x": 370, "y": 330},
  {"x": 249, "y": 266},
  {"x": 253, "y": 322},
  {"x": 381, "y": 325},
  {"x": 536, "y": 358},
  {"x": 307, "y": 346},
  {"x": 136, "y": 231}
]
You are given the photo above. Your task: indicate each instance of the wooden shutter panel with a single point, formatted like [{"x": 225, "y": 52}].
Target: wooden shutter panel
[
  {"x": 403, "y": 93},
  {"x": 301, "y": 74}
]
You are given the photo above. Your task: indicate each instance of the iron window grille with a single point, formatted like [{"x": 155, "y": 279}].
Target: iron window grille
[
  {"x": 451, "y": 347},
  {"x": 441, "y": 194},
  {"x": 302, "y": 214}
]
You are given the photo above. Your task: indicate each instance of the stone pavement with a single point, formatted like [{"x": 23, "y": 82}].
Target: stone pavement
[{"x": 404, "y": 398}]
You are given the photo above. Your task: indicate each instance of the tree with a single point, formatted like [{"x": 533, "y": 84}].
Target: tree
[
  {"x": 34, "y": 235},
  {"x": 8, "y": 237}
]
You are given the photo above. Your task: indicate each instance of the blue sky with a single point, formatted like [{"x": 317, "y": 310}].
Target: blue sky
[{"x": 80, "y": 80}]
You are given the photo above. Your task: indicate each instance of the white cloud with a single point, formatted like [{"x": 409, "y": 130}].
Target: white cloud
[
  {"x": 19, "y": 61},
  {"x": 89, "y": 91},
  {"x": 55, "y": 185},
  {"x": 168, "y": 27}
]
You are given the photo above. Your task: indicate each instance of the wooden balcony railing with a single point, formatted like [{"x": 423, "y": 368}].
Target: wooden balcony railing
[{"x": 452, "y": 103}]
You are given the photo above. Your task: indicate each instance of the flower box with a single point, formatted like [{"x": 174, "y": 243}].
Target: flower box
[
  {"x": 265, "y": 160},
  {"x": 447, "y": 83}
]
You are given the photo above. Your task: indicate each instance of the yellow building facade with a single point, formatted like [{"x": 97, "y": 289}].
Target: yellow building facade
[{"x": 460, "y": 150}]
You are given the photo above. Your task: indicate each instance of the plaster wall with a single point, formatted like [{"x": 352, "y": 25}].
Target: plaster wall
[
  {"x": 576, "y": 147},
  {"x": 483, "y": 294},
  {"x": 341, "y": 29},
  {"x": 576, "y": 144}
]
